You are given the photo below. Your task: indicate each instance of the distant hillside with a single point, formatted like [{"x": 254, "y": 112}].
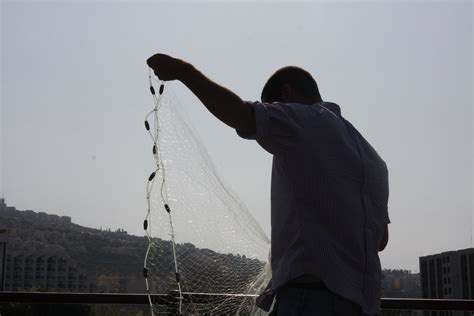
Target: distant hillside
[
  {"x": 110, "y": 259},
  {"x": 113, "y": 260}
]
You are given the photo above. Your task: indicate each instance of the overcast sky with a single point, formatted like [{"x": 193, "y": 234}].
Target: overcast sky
[{"x": 74, "y": 94}]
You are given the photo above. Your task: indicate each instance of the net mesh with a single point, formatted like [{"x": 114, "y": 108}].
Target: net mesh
[{"x": 202, "y": 238}]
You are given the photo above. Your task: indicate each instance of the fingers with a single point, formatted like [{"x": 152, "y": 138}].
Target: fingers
[
  {"x": 156, "y": 59},
  {"x": 164, "y": 67},
  {"x": 152, "y": 61},
  {"x": 148, "y": 62}
]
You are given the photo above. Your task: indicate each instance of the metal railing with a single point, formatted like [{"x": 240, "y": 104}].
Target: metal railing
[{"x": 206, "y": 298}]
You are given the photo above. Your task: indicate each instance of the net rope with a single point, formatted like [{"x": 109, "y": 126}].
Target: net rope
[{"x": 201, "y": 238}]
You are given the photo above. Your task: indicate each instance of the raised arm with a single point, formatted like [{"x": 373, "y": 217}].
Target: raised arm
[{"x": 220, "y": 101}]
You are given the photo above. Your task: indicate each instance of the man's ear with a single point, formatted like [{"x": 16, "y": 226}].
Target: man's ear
[{"x": 286, "y": 93}]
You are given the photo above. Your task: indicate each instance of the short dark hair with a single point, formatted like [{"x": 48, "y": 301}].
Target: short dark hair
[{"x": 298, "y": 78}]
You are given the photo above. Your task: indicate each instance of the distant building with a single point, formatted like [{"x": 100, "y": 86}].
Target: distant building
[
  {"x": 448, "y": 275},
  {"x": 44, "y": 273},
  {"x": 3, "y": 248},
  {"x": 47, "y": 252},
  {"x": 400, "y": 284},
  {"x": 3, "y": 257},
  {"x": 4, "y": 207},
  {"x": 27, "y": 268}
]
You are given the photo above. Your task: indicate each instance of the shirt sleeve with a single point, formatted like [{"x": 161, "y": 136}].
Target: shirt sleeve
[{"x": 276, "y": 127}]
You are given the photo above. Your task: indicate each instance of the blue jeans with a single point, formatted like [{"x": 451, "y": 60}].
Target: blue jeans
[{"x": 293, "y": 301}]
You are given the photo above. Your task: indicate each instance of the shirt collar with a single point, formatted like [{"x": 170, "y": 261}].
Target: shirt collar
[{"x": 333, "y": 107}]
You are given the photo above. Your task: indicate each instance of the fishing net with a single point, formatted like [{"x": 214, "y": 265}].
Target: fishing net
[{"x": 202, "y": 239}]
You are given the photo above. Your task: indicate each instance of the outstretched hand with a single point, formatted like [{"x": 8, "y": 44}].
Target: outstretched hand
[
  {"x": 223, "y": 103},
  {"x": 167, "y": 67}
]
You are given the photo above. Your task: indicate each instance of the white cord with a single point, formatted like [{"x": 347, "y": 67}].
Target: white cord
[{"x": 159, "y": 166}]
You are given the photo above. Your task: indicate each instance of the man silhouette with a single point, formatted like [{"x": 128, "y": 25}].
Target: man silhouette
[{"x": 329, "y": 191}]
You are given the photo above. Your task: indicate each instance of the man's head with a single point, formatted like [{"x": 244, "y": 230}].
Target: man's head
[{"x": 291, "y": 85}]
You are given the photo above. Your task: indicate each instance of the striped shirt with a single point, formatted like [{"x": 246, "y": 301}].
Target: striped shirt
[{"x": 329, "y": 194}]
